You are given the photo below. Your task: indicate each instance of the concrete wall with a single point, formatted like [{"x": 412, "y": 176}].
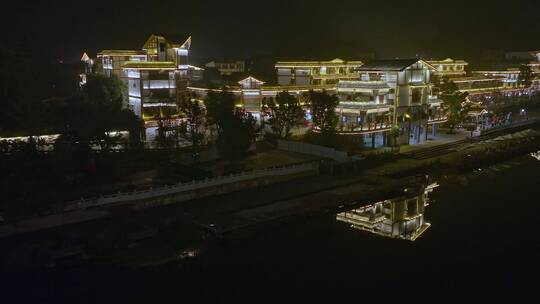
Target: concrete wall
[
  {"x": 323, "y": 152},
  {"x": 198, "y": 189},
  {"x": 223, "y": 189}
]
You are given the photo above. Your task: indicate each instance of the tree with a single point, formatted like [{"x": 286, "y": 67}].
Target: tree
[
  {"x": 394, "y": 133},
  {"x": 107, "y": 92},
  {"x": 445, "y": 86},
  {"x": 285, "y": 113},
  {"x": 525, "y": 75},
  {"x": 24, "y": 85},
  {"x": 166, "y": 135},
  {"x": 236, "y": 128},
  {"x": 189, "y": 104},
  {"x": 323, "y": 106},
  {"x": 90, "y": 115},
  {"x": 454, "y": 102}
]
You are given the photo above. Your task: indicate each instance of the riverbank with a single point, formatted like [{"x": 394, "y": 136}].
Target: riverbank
[
  {"x": 180, "y": 233},
  {"x": 482, "y": 241},
  {"x": 138, "y": 234}
]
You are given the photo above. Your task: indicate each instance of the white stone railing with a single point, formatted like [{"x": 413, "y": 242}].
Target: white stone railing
[
  {"x": 190, "y": 186},
  {"x": 511, "y": 125}
]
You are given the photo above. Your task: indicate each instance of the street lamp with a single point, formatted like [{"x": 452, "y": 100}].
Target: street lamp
[{"x": 523, "y": 112}]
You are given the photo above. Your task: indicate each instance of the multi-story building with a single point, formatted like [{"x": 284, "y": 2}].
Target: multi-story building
[
  {"x": 228, "y": 67},
  {"x": 88, "y": 68},
  {"x": 448, "y": 67},
  {"x": 304, "y": 73},
  {"x": 522, "y": 56},
  {"x": 110, "y": 62},
  {"x": 250, "y": 92},
  {"x": 478, "y": 84},
  {"x": 155, "y": 76},
  {"x": 195, "y": 73},
  {"x": 509, "y": 77},
  {"x": 486, "y": 83},
  {"x": 390, "y": 93}
]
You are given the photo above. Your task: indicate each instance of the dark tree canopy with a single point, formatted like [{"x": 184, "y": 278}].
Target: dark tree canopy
[
  {"x": 236, "y": 129},
  {"x": 108, "y": 92},
  {"x": 97, "y": 110},
  {"x": 285, "y": 112},
  {"x": 323, "y": 106},
  {"x": 23, "y": 85},
  {"x": 525, "y": 75},
  {"x": 189, "y": 105},
  {"x": 453, "y": 101}
]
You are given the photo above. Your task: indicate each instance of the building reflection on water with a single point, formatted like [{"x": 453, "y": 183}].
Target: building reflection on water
[{"x": 401, "y": 217}]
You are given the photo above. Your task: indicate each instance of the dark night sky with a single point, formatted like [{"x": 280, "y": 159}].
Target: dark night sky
[{"x": 284, "y": 29}]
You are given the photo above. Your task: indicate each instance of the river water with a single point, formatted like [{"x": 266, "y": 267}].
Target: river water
[{"x": 471, "y": 238}]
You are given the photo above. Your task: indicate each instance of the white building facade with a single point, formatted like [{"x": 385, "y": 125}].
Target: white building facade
[{"x": 302, "y": 73}]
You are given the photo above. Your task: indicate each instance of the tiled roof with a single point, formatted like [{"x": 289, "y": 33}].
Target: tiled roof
[
  {"x": 388, "y": 65},
  {"x": 121, "y": 52},
  {"x": 335, "y": 62}
]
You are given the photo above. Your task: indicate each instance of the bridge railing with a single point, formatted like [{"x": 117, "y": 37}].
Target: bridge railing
[{"x": 189, "y": 186}]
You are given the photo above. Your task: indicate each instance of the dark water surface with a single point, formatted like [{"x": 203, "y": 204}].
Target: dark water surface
[{"x": 483, "y": 245}]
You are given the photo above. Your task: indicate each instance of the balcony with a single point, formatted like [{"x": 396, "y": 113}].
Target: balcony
[
  {"x": 364, "y": 128},
  {"x": 434, "y": 103},
  {"x": 334, "y": 76},
  {"x": 368, "y": 106},
  {"x": 361, "y": 85},
  {"x": 438, "y": 119}
]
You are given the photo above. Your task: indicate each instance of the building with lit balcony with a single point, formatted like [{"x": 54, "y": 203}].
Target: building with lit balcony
[
  {"x": 509, "y": 78},
  {"x": 110, "y": 62},
  {"x": 303, "y": 73},
  {"x": 155, "y": 76},
  {"x": 227, "y": 67},
  {"x": 488, "y": 83},
  {"x": 448, "y": 68},
  {"x": 522, "y": 56},
  {"x": 478, "y": 84},
  {"x": 250, "y": 92},
  {"x": 390, "y": 93}
]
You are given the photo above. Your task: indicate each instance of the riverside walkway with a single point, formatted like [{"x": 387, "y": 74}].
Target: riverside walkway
[{"x": 451, "y": 143}]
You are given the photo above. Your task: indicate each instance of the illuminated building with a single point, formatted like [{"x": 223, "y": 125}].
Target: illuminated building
[
  {"x": 479, "y": 84},
  {"x": 228, "y": 67},
  {"x": 486, "y": 83},
  {"x": 155, "y": 76},
  {"x": 523, "y": 56},
  {"x": 304, "y": 73},
  {"x": 110, "y": 62},
  {"x": 390, "y": 93},
  {"x": 509, "y": 77},
  {"x": 401, "y": 217},
  {"x": 383, "y": 94},
  {"x": 195, "y": 73},
  {"x": 88, "y": 64},
  {"x": 448, "y": 68},
  {"x": 251, "y": 91}
]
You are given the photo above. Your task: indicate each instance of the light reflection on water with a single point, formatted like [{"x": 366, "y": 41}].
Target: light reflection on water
[
  {"x": 401, "y": 217},
  {"x": 536, "y": 155}
]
